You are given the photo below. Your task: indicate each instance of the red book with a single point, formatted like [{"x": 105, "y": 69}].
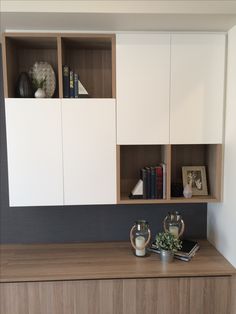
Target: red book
[{"x": 159, "y": 181}]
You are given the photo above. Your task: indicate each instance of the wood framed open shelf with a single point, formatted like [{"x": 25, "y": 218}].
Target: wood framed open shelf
[
  {"x": 21, "y": 51},
  {"x": 131, "y": 158},
  {"x": 92, "y": 56}
]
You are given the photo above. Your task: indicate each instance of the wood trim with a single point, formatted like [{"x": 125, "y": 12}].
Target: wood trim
[
  {"x": 168, "y": 167},
  {"x": 30, "y": 34},
  {"x": 4, "y": 62},
  {"x": 219, "y": 176},
  {"x": 60, "y": 63},
  {"x": 113, "y": 66},
  {"x": 118, "y": 173},
  {"x": 233, "y": 294},
  {"x": 172, "y": 200}
]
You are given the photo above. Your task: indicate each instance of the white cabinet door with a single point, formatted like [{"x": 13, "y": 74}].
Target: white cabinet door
[
  {"x": 197, "y": 88},
  {"x": 89, "y": 147},
  {"x": 34, "y": 148},
  {"x": 143, "y": 83}
]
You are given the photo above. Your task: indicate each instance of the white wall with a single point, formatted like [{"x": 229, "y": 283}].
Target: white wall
[{"x": 222, "y": 216}]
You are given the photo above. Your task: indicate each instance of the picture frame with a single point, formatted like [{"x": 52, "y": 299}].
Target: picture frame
[{"x": 196, "y": 175}]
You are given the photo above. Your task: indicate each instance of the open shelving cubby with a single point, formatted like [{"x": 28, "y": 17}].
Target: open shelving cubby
[
  {"x": 208, "y": 155},
  {"x": 22, "y": 51},
  {"x": 92, "y": 57},
  {"x": 131, "y": 159}
]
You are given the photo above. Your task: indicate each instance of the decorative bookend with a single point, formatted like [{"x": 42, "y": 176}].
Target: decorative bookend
[
  {"x": 137, "y": 191},
  {"x": 82, "y": 91}
]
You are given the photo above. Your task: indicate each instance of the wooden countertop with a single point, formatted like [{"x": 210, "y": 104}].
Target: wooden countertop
[{"x": 48, "y": 262}]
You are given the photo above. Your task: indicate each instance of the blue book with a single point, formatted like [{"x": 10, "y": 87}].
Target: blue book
[
  {"x": 76, "y": 94},
  {"x": 72, "y": 84},
  {"x": 66, "y": 81}
]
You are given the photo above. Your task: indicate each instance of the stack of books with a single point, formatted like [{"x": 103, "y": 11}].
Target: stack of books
[
  {"x": 72, "y": 87},
  {"x": 154, "y": 182},
  {"x": 189, "y": 249}
]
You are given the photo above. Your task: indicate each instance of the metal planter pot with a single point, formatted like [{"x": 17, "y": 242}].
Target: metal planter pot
[{"x": 167, "y": 256}]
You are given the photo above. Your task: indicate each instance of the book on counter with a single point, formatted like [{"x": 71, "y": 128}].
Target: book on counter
[{"x": 188, "y": 250}]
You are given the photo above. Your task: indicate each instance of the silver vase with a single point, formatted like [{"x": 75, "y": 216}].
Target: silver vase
[{"x": 166, "y": 256}]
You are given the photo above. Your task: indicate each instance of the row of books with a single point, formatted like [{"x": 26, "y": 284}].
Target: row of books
[
  {"x": 72, "y": 87},
  {"x": 154, "y": 181},
  {"x": 188, "y": 250}
]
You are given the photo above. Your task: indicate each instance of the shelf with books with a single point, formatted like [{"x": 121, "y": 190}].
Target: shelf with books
[
  {"x": 21, "y": 51},
  {"x": 132, "y": 158},
  {"x": 207, "y": 156},
  {"x": 92, "y": 58},
  {"x": 133, "y": 161}
]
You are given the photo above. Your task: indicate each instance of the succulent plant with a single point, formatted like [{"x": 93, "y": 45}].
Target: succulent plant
[{"x": 167, "y": 241}]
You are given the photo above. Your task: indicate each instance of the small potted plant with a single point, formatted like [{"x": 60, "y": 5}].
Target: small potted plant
[
  {"x": 168, "y": 244},
  {"x": 39, "y": 87}
]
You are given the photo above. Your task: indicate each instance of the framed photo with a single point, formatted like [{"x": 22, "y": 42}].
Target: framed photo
[{"x": 196, "y": 176}]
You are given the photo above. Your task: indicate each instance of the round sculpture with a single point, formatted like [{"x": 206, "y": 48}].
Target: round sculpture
[{"x": 43, "y": 71}]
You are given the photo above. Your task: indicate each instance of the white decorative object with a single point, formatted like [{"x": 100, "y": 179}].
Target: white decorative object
[
  {"x": 140, "y": 246},
  {"x": 188, "y": 192},
  {"x": 41, "y": 71},
  {"x": 40, "y": 93},
  {"x": 81, "y": 89},
  {"x": 138, "y": 189}
]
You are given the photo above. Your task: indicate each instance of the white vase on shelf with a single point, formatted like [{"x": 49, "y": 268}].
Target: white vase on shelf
[
  {"x": 40, "y": 93},
  {"x": 188, "y": 192}
]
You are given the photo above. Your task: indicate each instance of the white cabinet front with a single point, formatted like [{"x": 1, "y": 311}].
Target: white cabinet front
[
  {"x": 143, "y": 83},
  {"x": 197, "y": 88},
  {"x": 34, "y": 150},
  {"x": 89, "y": 146}
]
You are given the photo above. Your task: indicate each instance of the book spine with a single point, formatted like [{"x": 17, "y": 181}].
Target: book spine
[
  {"x": 76, "y": 85},
  {"x": 144, "y": 178},
  {"x": 153, "y": 183},
  {"x": 148, "y": 182},
  {"x": 66, "y": 81},
  {"x": 72, "y": 84},
  {"x": 159, "y": 182},
  {"x": 164, "y": 179}
]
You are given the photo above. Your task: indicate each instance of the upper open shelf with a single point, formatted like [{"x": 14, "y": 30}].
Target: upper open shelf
[{"x": 91, "y": 56}]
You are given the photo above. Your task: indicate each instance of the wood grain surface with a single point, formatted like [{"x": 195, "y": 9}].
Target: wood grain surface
[
  {"x": 201, "y": 295},
  {"x": 108, "y": 260}
]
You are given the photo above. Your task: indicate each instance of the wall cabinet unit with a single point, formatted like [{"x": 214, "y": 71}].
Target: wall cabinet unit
[
  {"x": 34, "y": 150},
  {"x": 89, "y": 146},
  {"x": 143, "y": 79},
  {"x": 197, "y": 88},
  {"x": 170, "y": 99}
]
